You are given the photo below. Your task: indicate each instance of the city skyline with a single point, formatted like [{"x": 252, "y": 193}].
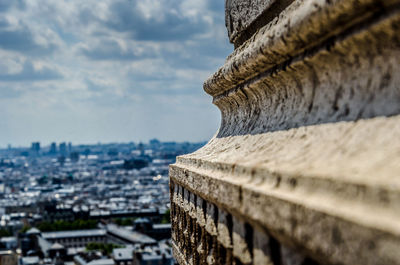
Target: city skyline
[
  {"x": 115, "y": 71},
  {"x": 48, "y": 145}
]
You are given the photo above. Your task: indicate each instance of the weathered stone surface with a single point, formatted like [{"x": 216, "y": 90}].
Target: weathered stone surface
[
  {"x": 244, "y": 17},
  {"x": 332, "y": 188},
  {"x": 305, "y": 166},
  {"x": 261, "y": 248},
  {"x": 225, "y": 226},
  {"x": 303, "y": 25},
  {"x": 242, "y": 236},
  {"x": 211, "y": 219},
  {"x": 291, "y": 257}
]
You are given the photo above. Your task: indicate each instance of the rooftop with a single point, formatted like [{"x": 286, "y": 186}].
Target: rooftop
[
  {"x": 123, "y": 253},
  {"x": 74, "y": 233},
  {"x": 130, "y": 236}
]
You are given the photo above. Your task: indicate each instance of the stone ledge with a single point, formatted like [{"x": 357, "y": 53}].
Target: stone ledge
[
  {"x": 305, "y": 166},
  {"x": 308, "y": 195},
  {"x": 299, "y": 28}
]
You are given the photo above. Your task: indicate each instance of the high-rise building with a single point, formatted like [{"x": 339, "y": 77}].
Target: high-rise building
[
  {"x": 69, "y": 147},
  {"x": 35, "y": 147},
  {"x": 63, "y": 148},
  {"x": 53, "y": 148}
]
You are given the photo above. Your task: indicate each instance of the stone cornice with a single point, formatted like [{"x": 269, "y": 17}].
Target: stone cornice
[
  {"x": 319, "y": 87},
  {"x": 302, "y": 26}
]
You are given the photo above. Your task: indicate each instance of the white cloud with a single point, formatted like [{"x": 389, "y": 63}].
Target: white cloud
[{"x": 112, "y": 70}]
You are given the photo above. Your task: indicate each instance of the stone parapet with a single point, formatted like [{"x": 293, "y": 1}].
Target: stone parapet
[{"x": 305, "y": 166}]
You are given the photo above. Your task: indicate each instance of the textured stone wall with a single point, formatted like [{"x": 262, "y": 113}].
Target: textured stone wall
[{"x": 305, "y": 168}]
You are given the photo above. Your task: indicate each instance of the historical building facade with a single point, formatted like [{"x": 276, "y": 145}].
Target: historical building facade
[{"x": 305, "y": 168}]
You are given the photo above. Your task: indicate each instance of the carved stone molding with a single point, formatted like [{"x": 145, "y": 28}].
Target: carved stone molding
[{"x": 305, "y": 168}]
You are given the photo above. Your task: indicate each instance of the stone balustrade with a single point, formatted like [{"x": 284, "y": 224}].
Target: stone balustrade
[{"x": 305, "y": 167}]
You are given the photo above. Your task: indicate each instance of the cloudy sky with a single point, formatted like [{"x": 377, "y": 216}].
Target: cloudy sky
[{"x": 108, "y": 71}]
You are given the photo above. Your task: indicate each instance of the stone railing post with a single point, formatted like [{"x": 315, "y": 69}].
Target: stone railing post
[{"x": 305, "y": 168}]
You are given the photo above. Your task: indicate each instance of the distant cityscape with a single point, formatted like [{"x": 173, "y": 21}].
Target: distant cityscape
[{"x": 87, "y": 204}]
